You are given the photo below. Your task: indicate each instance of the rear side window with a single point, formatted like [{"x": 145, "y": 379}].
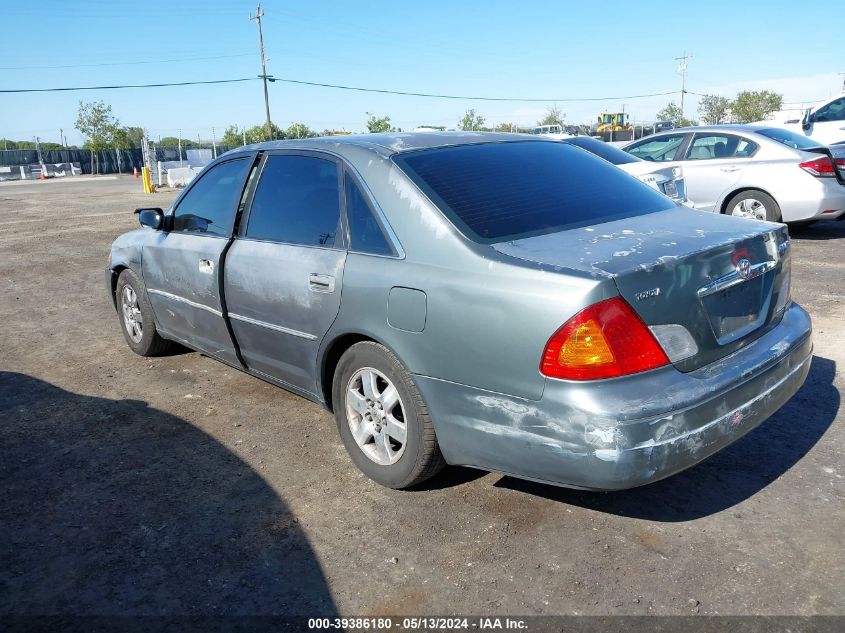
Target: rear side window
[
  {"x": 603, "y": 150},
  {"x": 658, "y": 150},
  {"x": 208, "y": 207},
  {"x": 297, "y": 201},
  {"x": 707, "y": 146},
  {"x": 790, "y": 139},
  {"x": 365, "y": 234},
  {"x": 494, "y": 192}
]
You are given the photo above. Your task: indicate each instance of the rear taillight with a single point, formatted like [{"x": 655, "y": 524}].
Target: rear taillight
[
  {"x": 820, "y": 167},
  {"x": 605, "y": 340}
]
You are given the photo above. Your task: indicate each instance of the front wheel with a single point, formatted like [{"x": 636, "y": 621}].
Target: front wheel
[
  {"x": 754, "y": 204},
  {"x": 382, "y": 419},
  {"x": 136, "y": 316}
]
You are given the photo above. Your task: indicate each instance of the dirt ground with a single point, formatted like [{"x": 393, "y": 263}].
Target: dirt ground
[{"x": 180, "y": 486}]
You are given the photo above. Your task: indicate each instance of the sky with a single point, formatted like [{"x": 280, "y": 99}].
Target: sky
[{"x": 551, "y": 51}]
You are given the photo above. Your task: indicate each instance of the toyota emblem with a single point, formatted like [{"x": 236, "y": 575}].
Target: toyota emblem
[{"x": 743, "y": 268}]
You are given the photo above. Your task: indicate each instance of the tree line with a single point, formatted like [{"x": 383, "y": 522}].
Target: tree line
[{"x": 102, "y": 130}]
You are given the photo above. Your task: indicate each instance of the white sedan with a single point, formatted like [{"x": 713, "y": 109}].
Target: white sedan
[{"x": 753, "y": 171}]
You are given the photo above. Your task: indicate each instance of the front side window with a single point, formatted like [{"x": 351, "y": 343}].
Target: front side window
[
  {"x": 833, "y": 111},
  {"x": 365, "y": 234},
  {"x": 658, "y": 150},
  {"x": 495, "y": 192},
  {"x": 297, "y": 201},
  {"x": 709, "y": 146},
  {"x": 209, "y": 206}
]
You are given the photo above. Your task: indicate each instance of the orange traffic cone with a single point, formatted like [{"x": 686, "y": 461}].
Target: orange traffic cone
[
  {"x": 42, "y": 176},
  {"x": 135, "y": 172}
]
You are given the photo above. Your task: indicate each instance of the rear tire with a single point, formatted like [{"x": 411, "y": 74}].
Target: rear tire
[
  {"x": 754, "y": 204},
  {"x": 136, "y": 316},
  {"x": 382, "y": 419}
]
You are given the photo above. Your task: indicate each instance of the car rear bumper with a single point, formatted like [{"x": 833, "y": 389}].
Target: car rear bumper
[
  {"x": 622, "y": 433},
  {"x": 824, "y": 201}
]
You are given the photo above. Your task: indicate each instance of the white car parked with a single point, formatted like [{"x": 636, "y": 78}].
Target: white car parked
[
  {"x": 824, "y": 122},
  {"x": 667, "y": 180},
  {"x": 767, "y": 173}
]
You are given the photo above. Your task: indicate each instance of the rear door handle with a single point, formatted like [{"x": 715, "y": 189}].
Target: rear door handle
[
  {"x": 320, "y": 283},
  {"x": 206, "y": 266},
  {"x": 729, "y": 169}
]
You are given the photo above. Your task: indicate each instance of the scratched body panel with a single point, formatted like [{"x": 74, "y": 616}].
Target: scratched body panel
[{"x": 491, "y": 308}]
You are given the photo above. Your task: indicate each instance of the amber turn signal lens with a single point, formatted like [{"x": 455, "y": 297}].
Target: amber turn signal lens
[{"x": 605, "y": 340}]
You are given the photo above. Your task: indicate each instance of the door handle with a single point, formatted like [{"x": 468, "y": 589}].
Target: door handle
[
  {"x": 320, "y": 283},
  {"x": 729, "y": 169},
  {"x": 206, "y": 266}
]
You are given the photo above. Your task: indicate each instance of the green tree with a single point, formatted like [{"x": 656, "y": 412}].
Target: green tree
[
  {"x": 672, "y": 112},
  {"x": 471, "y": 120},
  {"x": 258, "y": 133},
  {"x": 750, "y": 106},
  {"x": 299, "y": 130},
  {"x": 128, "y": 137},
  {"x": 96, "y": 122},
  {"x": 713, "y": 109},
  {"x": 553, "y": 117},
  {"x": 25, "y": 145},
  {"x": 378, "y": 124},
  {"x": 506, "y": 127},
  {"x": 7, "y": 144},
  {"x": 233, "y": 136}
]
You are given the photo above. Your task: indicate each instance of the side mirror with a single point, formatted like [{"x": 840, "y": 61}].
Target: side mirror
[
  {"x": 152, "y": 218},
  {"x": 807, "y": 121}
]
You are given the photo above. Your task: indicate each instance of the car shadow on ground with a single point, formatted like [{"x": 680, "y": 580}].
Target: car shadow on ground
[
  {"x": 728, "y": 477},
  {"x": 818, "y": 231},
  {"x": 111, "y": 507}
]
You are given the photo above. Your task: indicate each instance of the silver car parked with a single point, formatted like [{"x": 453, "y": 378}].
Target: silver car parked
[
  {"x": 755, "y": 171},
  {"x": 498, "y": 301}
]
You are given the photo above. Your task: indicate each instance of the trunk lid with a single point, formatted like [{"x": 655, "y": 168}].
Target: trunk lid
[{"x": 725, "y": 279}]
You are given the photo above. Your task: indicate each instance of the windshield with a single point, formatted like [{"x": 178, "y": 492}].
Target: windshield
[
  {"x": 790, "y": 139},
  {"x": 603, "y": 150},
  {"x": 495, "y": 192}
]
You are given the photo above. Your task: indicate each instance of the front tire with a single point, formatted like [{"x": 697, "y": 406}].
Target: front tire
[
  {"x": 136, "y": 316},
  {"x": 382, "y": 419},
  {"x": 754, "y": 204}
]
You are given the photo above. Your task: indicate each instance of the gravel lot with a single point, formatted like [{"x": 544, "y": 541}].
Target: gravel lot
[{"x": 177, "y": 485}]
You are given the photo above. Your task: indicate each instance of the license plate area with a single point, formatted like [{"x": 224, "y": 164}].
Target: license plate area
[
  {"x": 739, "y": 309},
  {"x": 670, "y": 189}
]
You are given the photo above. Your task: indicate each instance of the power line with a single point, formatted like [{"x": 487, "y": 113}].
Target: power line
[
  {"x": 133, "y": 63},
  {"x": 354, "y": 88},
  {"x": 162, "y": 85},
  {"x": 465, "y": 97}
]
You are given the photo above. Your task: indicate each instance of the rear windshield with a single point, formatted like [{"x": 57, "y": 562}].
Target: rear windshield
[
  {"x": 790, "y": 139},
  {"x": 495, "y": 192},
  {"x": 601, "y": 149}
]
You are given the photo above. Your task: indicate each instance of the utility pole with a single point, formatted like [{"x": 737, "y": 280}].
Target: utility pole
[
  {"x": 180, "y": 147},
  {"x": 213, "y": 143},
  {"x": 682, "y": 69},
  {"x": 61, "y": 137},
  {"x": 257, "y": 17},
  {"x": 843, "y": 81},
  {"x": 243, "y": 132}
]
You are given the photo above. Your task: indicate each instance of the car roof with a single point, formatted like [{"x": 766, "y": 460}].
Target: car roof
[
  {"x": 727, "y": 128},
  {"x": 391, "y": 143}
]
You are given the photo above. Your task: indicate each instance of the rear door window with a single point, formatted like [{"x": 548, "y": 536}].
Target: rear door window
[
  {"x": 494, "y": 192},
  {"x": 297, "y": 201},
  {"x": 709, "y": 146},
  {"x": 658, "y": 150}
]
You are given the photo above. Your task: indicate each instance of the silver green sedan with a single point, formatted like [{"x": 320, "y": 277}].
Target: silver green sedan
[{"x": 498, "y": 301}]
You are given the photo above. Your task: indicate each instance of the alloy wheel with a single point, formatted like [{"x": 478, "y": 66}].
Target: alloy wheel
[{"x": 376, "y": 416}]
